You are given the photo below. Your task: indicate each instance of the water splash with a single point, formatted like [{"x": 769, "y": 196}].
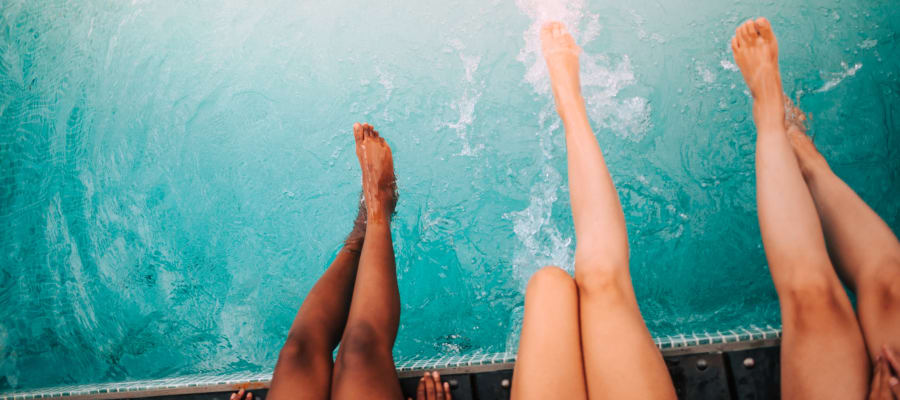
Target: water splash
[
  {"x": 602, "y": 79},
  {"x": 839, "y": 77},
  {"x": 543, "y": 242},
  {"x": 728, "y": 66},
  {"x": 465, "y": 105}
]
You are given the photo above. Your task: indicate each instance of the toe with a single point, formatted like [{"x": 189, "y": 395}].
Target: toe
[
  {"x": 765, "y": 29},
  {"x": 546, "y": 32},
  {"x": 740, "y": 35},
  {"x": 550, "y": 26},
  {"x": 735, "y": 44},
  {"x": 374, "y": 133},
  {"x": 367, "y": 130},
  {"x": 746, "y": 29},
  {"x": 570, "y": 42},
  {"x": 357, "y": 131}
]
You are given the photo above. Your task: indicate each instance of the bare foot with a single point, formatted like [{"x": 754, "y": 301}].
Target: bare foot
[
  {"x": 805, "y": 150},
  {"x": 756, "y": 53},
  {"x": 561, "y": 54},
  {"x": 431, "y": 388},
  {"x": 378, "y": 181}
]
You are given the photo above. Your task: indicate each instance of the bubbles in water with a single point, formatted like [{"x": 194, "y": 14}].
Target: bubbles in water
[
  {"x": 728, "y": 66},
  {"x": 534, "y": 228},
  {"x": 707, "y": 75},
  {"x": 837, "y": 78},
  {"x": 601, "y": 79},
  {"x": 465, "y": 105},
  {"x": 868, "y": 44},
  {"x": 628, "y": 118}
]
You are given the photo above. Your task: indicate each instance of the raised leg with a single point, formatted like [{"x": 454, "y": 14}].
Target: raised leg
[
  {"x": 861, "y": 245},
  {"x": 304, "y": 366},
  {"x": 823, "y": 355},
  {"x": 364, "y": 368},
  {"x": 549, "y": 363},
  {"x": 620, "y": 359}
]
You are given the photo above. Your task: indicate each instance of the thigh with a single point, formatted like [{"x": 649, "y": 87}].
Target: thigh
[
  {"x": 621, "y": 360},
  {"x": 364, "y": 368},
  {"x": 301, "y": 374},
  {"x": 549, "y": 365}
]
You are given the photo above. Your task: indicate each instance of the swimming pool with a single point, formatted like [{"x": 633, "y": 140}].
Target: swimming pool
[{"x": 174, "y": 177}]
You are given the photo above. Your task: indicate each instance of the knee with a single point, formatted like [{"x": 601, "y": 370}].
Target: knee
[
  {"x": 302, "y": 350},
  {"x": 362, "y": 344},
  {"x": 599, "y": 278},
  {"x": 881, "y": 288},
  {"x": 811, "y": 298},
  {"x": 549, "y": 280}
]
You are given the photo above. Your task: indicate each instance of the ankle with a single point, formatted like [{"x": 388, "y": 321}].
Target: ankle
[
  {"x": 768, "y": 118},
  {"x": 570, "y": 105},
  {"x": 813, "y": 167},
  {"x": 378, "y": 220},
  {"x": 353, "y": 245}
]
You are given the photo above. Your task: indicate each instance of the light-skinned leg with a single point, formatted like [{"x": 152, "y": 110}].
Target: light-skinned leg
[
  {"x": 621, "y": 360},
  {"x": 823, "y": 355}
]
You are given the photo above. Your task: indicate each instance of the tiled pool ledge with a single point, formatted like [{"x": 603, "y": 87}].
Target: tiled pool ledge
[{"x": 736, "y": 339}]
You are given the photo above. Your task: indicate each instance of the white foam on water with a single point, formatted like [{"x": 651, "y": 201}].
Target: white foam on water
[
  {"x": 465, "y": 105},
  {"x": 728, "y": 66},
  {"x": 706, "y": 74},
  {"x": 534, "y": 228},
  {"x": 839, "y": 77},
  {"x": 602, "y": 79},
  {"x": 386, "y": 80},
  {"x": 868, "y": 44},
  {"x": 628, "y": 118}
]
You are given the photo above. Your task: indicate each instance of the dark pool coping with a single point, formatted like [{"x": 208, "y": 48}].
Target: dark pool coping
[{"x": 672, "y": 347}]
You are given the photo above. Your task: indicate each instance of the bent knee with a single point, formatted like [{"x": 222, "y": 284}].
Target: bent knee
[
  {"x": 362, "y": 344},
  {"x": 598, "y": 279},
  {"x": 550, "y": 279},
  {"x": 814, "y": 298},
  {"x": 882, "y": 287},
  {"x": 304, "y": 351}
]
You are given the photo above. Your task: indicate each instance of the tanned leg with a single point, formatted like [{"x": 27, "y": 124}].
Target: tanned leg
[
  {"x": 823, "y": 355},
  {"x": 620, "y": 359},
  {"x": 861, "y": 245},
  {"x": 549, "y": 364},
  {"x": 364, "y": 368},
  {"x": 304, "y": 365}
]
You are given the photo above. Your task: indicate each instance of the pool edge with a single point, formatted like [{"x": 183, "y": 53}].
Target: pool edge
[{"x": 705, "y": 342}]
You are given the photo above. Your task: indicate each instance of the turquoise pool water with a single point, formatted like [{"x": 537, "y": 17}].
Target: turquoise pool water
[{"x": 174, "y": 176}]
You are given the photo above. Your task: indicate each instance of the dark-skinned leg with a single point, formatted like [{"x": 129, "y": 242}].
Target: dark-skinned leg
[
  {"x": 365, "y": 366},
  {"x": 304, "y": 364}
]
